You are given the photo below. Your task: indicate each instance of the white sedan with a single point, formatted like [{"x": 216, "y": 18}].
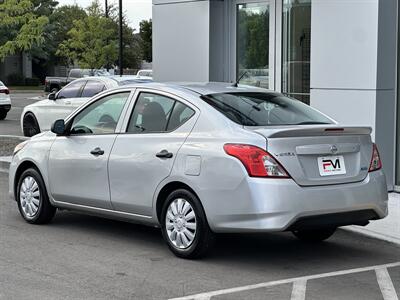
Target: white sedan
[
  {"x": 39, "y": 116},
  {"x": 5, "y": 101}
]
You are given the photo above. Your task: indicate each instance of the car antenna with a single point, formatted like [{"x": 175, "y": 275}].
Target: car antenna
[{"x": 236, "y": 84}]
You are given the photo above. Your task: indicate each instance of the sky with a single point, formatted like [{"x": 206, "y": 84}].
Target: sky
[{"x": 136, "y": 10}]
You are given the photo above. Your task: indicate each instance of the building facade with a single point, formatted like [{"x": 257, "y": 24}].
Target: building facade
[{"x": 339, "y": 56}]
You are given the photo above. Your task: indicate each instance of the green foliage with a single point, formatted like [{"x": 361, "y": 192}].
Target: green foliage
[
  {"x": 146, "y": 42},
  {"x": 253, "y": 40},
  {"x": 20, "y": 28},
  {"x": 91, "y": 41}
]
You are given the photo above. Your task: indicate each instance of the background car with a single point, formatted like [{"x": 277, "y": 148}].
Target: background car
[
  {"x": 200, "y": 159},
  {"x": 5, "y": 101},
  {"x": 39, "y": 116},
  {"x": 145, "y": 73},
  {"x": 54, "y": 84}
]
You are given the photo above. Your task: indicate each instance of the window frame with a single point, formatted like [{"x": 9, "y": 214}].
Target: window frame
[
  {"x": 135, "y": 97},
  {"x": 69, "y": 121}
]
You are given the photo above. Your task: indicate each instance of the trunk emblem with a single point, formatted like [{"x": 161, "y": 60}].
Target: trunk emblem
[{"x": 334, "y": 149}]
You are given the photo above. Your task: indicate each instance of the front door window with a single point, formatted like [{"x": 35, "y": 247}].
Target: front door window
[{"x": 252, "y": 39}]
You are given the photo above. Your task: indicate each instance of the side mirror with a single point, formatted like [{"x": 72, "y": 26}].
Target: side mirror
[
  {"x": 52, "y": 96},
  {"x": 58, "y": 127}
]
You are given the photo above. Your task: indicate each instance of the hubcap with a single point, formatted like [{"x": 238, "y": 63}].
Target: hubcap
[
  {"x": 180, "y": 223},
  {"x": 29, "y": 196}
]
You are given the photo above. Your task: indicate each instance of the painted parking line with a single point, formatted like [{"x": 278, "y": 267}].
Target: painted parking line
[
  {"x": 299, "y": 283},
  {"x": 386, "y": 284}
]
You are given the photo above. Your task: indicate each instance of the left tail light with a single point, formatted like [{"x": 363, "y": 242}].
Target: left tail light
[
  {"x": 376, "y": 163},
  {"x": 258, "y": 163},
  {"x": 5, "y": 91}
]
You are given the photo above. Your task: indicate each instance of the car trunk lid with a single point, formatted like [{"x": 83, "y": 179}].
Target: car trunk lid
[{"x": 320, "y": 155}]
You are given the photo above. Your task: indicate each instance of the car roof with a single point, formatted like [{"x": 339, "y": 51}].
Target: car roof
[{"x": 200, "y": 88}]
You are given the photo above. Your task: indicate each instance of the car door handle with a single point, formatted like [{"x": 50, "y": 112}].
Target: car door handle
[
  {"x": 68, "y": 102},
  {"x": 164, "y": 154},
  {"x": 97, "y": 151}
]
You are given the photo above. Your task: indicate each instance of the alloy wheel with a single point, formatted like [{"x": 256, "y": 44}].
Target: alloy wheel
[
  {"x": 29, "y": 197},
  {"x": 180, "y": 223}
]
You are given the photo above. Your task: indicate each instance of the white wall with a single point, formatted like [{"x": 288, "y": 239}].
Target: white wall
[
  {"x": 353, "y": 59},
  {"x": 181, "y": 40}
]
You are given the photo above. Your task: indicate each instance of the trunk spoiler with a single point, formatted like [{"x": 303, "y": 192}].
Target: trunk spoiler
[{"x": 313, "y": 131}]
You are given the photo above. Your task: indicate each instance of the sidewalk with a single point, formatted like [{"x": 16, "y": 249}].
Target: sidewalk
[{"x": 387, "y": 229}]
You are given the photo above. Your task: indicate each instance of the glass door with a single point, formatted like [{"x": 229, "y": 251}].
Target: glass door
[
  {"x": 253, "y": 39},
  {"x": 397, "y": 160}
]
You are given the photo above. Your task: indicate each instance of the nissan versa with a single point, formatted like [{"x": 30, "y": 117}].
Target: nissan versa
[{"x": 201, "y": 159}]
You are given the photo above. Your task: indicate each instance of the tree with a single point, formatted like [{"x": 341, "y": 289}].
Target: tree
[
  {"x": 20, "y": 28},
  {"x": 146, "y": 34},
  {"x": 91, "y": 41}
]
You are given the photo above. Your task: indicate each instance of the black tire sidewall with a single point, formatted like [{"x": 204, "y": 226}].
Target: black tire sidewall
[
  {"x": 33, "y": 122},
  {"x": 43, "y": 196},
  {"x": 202, "y": 237}
]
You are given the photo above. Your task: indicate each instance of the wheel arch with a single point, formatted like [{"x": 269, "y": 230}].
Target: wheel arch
[
  {"x": 31, "y": 114},
  {"x": 167, "y": 189},
  {"x": 25, "y": 165}
]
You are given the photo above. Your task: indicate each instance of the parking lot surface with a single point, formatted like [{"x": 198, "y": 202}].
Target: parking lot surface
[
  {"x": 85, "y": 257},
  {"x": 11, "y": 125}
]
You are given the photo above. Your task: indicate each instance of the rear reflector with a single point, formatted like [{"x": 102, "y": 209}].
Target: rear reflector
[
  {"x": 257, "y": 162},
  {"x": 376, "y": 163}
]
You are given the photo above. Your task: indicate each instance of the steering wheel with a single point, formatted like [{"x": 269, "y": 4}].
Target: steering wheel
[{"x": 81, "y": 129}]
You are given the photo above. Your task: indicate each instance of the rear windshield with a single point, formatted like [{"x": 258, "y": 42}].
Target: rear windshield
[{"x": 264, "y": 109}]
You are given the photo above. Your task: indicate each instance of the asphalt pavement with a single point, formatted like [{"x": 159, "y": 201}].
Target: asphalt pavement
[
  {"x": 11, "y": 125},
  {"x": 85, "y": 257}
]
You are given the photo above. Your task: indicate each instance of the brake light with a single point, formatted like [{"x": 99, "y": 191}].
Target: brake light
[
  {"x": 4, "y": 91},
  {"x": 257, "y": 162},
  {"x": 376, "y": 163}
]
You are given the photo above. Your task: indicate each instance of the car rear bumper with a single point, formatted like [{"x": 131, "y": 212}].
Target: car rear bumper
[
  {"x": 280, "y": 205},
  {"x": 6, "y": 107}
]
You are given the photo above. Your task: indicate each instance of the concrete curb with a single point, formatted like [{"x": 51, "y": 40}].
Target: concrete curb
[{"x": 5, "y": 162}]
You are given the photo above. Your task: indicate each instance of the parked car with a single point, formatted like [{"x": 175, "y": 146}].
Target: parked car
[
  {"x": 200, "y": 159},
  {"x": 39, "y": 116},
  {"x": 54, "y": 84},
  {"x": 5, "y": 101},
  {"x": 145, "y": 73}
]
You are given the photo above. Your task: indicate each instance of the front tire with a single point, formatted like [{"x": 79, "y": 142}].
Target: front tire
[
  {"x": 33, "y": 201},
  {"x": 184, "y": 225},
  {"x": 317, "y": 235},
  {"x": 30, "y": 125}
]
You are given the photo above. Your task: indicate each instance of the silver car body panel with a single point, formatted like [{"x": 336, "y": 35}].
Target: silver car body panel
[{"x": 233, "y": 201}]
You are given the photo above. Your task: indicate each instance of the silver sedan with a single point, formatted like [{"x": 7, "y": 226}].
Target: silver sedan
[{"x": 201, "y": 159}]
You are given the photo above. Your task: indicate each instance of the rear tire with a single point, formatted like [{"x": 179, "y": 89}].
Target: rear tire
[
  {"x": 33, "y": 201},
  {"x": 184, "y": 225},
  {"x": 3, "y": 114},
  {"x": 30, "y": 125},
  {"x": 317, "y": 235}
]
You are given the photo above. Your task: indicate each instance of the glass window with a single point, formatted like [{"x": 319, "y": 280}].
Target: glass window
[
  {"x": 151, "y": 113},
  {"x": 253, "y": 43},
  {"x": 180, "y": 115},
  {"x": 92, "y": 87},
  {"x": 296, "y": 41},
  {"x": 100, "y": 117},
  {"x": 72, "y": 90},
  {"x": 264, "y": 109}
]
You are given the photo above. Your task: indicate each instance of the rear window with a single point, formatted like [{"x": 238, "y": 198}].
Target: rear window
[{"x": 264, "y": 109}]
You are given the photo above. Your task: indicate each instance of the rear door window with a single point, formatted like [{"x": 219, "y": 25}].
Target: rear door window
[{"x": 265, "y": 109}]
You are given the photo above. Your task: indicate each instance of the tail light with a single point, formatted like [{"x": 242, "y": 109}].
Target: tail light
[
  {"x": 376, "y": 163},
  {"x": 4, "y": 91},
  {"x": 257, "y": 162}
]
